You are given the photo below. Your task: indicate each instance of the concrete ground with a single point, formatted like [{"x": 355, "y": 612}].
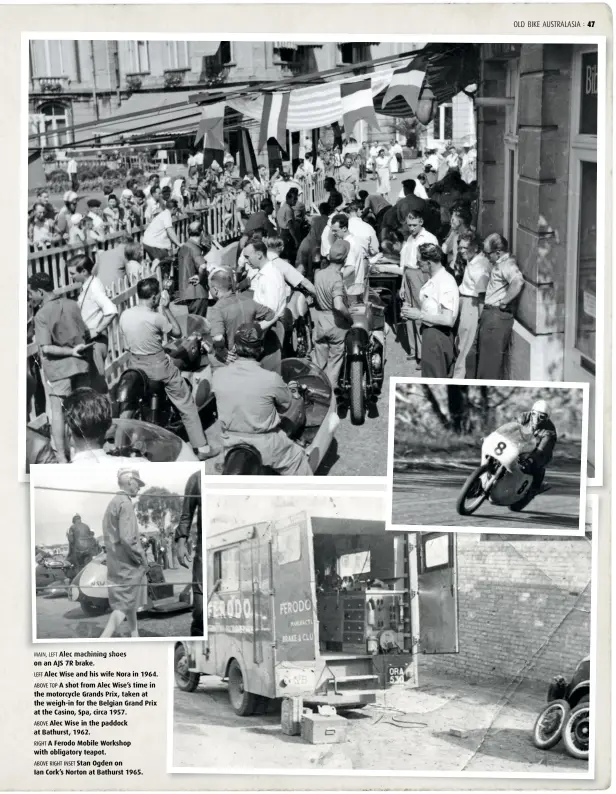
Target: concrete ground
[
  {"x": 59, "y": 618},
  {"x": 443, "y": 726}
]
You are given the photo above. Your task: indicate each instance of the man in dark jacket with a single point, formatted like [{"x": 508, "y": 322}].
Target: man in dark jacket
[
  {"x": 192, "y": 504},
  {"x": 544, "y": 432},
  {"x": 82, "y": 544}
]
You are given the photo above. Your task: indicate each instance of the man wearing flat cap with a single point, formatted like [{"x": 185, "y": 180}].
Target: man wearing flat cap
[
  {"x": 250, "y": 400},
  {"x": 126, "y": 561},
  {"x": 332, "y": 316}
]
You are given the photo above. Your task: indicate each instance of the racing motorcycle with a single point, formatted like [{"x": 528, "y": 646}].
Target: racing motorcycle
[
  {"x": 567, "y": 713},
  {"x": 501, "y": 478},
  {"x": 52, "y": 574},
  {"x": 362, "y": 372},
  {"x": 89, "y": 589},
  {"x": 137, "y": 397},
  {"x": 311, "y": 421}
]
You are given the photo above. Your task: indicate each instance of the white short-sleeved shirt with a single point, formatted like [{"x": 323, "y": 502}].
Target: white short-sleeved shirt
[
  {"x": 293, "y": 278},
  {"x": 408, "y": 254},
  {"x": 94, "y": 303},
  {"x": 269, "y": 288},
  {"x": 440, "y": 292},
  {"x": 365, "y": 235},
  {"x": 156, "y": 233},
  {"x": 476, "y": 276}
]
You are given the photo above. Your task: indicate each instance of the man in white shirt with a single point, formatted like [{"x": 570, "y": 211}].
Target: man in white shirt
[
  {"x": 472, "y": 295},
  {"x": 413, "y": 278},
  {"x": 159, "y": 237},
  {"x": 437, "y": 312},
  {"x": 71, "y": 170},
  {"x": 354, "y": 270},
  {"x": 362, "y": 231},
  {"x": 95, "y": 215},
  {"x": 433, "y": 159},
  {"x": 281, "y": 187},
  {"x": 396, "y": 150},
  {"x": 269, "y": 289},
  {"x": 97, "y": 312}
]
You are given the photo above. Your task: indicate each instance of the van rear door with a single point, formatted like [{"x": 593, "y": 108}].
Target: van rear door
[{"x": 437, "y": 592}]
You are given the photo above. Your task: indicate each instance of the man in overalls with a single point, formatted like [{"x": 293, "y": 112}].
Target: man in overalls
[{"x": 143, "y": 327}]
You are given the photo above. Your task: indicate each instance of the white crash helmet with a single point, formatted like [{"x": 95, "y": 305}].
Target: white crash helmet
[{"x": 540, "y": 407}]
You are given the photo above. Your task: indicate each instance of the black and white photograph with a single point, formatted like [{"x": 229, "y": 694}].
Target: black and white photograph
[
  {"x": 498, "y": 456},
  {"x": 117, "y": 552},
  {"x": 337, "y": 646},
  {"x": 205, "y": 219}
]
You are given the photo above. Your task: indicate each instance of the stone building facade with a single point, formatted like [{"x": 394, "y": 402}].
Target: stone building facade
[{"x": 537, "y": 174}]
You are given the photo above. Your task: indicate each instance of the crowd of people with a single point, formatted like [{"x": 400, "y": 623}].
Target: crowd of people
[{"x": 458, "y": 292}]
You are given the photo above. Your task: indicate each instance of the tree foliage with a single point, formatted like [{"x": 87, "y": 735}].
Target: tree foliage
[
  {"x": 159, "y": 507},
  {"x": 424, "y": 411}
]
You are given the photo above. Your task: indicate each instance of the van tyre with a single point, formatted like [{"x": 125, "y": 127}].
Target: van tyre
[
  {"x": 358, "y": 408},
  {"x": 184, "y": 679},
  {"x": 243, "y": 703},
  {"x": 549, "y": 724},
  {"x": 576, "y": 731},
  {"x": 472, "y": 490}
]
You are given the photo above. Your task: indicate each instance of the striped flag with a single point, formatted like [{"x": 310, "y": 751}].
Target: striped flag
[
  {"x": 211, "y": 126},
  {"x": 248, "y": 160},
  {"x": 409, "y": 82},
  {"x": 274, "y": 119},
  {"x": 357, "y": 104}
]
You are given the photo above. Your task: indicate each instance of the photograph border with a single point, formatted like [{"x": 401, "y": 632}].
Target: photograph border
[
  {"x": 370, "y": 773},
  {"x": 395, "y": 382},
  {"x": 602, "y": 124},
  {"x": 103, "y": 640}
]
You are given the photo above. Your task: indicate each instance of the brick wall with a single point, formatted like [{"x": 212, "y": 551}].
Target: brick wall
[{"x": 524, "y": 609}]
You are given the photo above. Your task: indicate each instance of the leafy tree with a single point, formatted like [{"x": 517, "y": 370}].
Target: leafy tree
[{"x": 160, "y": 507}]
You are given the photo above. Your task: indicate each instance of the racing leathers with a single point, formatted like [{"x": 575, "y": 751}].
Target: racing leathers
[{"x": 545, "y": 440}]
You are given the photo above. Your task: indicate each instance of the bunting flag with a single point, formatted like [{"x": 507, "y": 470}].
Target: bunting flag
[
  {"x": 248, "y": 159},
  {"x": 211, "y": 126},
  {"x": 357, "y": 104},
  {"x": 408, "y": 83},
  {"x": 274, "y": 119}
]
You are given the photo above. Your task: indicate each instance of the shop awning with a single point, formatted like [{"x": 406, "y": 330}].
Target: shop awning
[
  {"x": 209, "y": 48},
  {"x": 285, "y": 45}
]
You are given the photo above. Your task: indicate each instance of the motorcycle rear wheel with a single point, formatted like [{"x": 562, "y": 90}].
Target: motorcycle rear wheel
[
  {"x": 469, "y": 489},
  {"x": 358, "y": 406}
]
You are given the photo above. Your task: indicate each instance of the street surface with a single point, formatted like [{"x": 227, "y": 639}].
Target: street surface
[
  {"x": 444, "y": 726},
  {"x": 59, "y": 618},
  {"x": 429, "y": 499}
]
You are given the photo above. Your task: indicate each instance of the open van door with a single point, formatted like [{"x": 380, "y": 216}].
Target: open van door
[
  {"x": 437, "y": 592},
  {"x": 293, "y": 605}
]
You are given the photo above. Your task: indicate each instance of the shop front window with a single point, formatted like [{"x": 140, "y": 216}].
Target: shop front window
[{"x": 586, "y": 315}]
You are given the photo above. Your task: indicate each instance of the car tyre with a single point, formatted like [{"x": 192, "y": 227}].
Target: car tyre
[
  {"x": 549, "y": 724},
  {"x": 576, "y": 731}
]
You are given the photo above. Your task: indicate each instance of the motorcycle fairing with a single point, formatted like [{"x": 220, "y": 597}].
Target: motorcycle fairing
[
  {"x": 356, "y": 342},
  {"x": 91, "y": 582},
  {"x": 510, "y": 488}
]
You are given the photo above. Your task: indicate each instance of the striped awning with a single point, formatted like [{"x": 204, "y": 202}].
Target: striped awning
[{"x": 285, "y": 45}]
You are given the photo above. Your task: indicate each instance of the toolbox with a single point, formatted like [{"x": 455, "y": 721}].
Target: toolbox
[{"x": 324, "y": 729}]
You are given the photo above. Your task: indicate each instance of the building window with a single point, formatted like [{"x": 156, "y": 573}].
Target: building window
[
  {"x": 46, "y": 58},
  {"x": 225, "y": 53},
  {"x": 55, "y": 121},
  {"x": 353, "y": 52},
  {"x": 138, "y": 56},
  {"x": 443, "y": 123},
  {"x": 586, "y": 314},
  {"x": 177, "y": 55}
]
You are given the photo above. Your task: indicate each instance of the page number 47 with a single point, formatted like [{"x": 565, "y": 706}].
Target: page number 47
[{"x": 591, "y": 24}]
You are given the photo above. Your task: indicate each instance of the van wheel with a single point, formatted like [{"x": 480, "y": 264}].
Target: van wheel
[
  {"x": 243, "y": 703},
  {"x": 184, "y": 679}
]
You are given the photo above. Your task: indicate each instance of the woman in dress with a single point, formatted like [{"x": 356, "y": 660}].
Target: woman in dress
[{"x": 382, "y": 165}]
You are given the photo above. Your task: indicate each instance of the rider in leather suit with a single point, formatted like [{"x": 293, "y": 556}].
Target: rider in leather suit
[{"x": 544, "y": 432}]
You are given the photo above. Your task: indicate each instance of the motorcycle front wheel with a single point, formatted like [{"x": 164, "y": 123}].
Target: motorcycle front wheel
[
  {"x": 358, "y": 406},
  {"x": 472, "y": 495}
]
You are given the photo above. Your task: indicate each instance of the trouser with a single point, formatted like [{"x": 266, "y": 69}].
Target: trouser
[
  {"x": 437, "y": 351},
  {"x": 159, "y": 367},
  {"x": 487, "y": 357},
  {"x": 400, "y": 163},
  {"x": 467, "y": 330},
  {"x": 412, "y": 282},
  {"x": 74, "y": 183},
  {"x": 98, "y": 357},
  {"x": 329, "y": 336},
  {"x": 277, "y": 451},
  {"x": 156, "y": 253},
  {"x": 196, "y": 627}
]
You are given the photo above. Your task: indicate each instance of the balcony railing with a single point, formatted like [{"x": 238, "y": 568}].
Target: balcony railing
[{"x": 50, "y": 85}]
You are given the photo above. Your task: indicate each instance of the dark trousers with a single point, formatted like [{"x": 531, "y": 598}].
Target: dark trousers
[
  {"x": 437, "y": 356},
  {"x": 487, "y": 358},
  {"x": 412, "y": 282},
  {"x": 196, "y": 627}
]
